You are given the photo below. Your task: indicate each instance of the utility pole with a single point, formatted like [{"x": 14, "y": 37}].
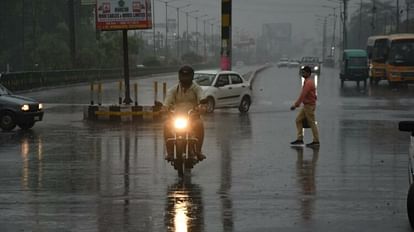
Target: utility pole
[
  {"x": 345, "y": 33},
  {"x": 374, "y": 9},
  {"x": 226, "y": 37},
  {"x": 360, "y": 25},
  {"x": 407, "y": 25},
  {"x": 324, "y": 39},
  {"x": 72, "y": 39},
  {"x": 397, "y": 17},
  {"x": 153, "y": 28}
]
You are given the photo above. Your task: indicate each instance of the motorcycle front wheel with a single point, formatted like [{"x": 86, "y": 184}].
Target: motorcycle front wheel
[{"x": 179, "y": 160}]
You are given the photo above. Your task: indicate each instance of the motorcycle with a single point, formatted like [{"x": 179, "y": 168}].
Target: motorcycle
[{"x": 185, "y": 143}]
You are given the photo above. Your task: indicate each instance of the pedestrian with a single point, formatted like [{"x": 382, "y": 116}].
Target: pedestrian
[{"x": 307, "y": 112}]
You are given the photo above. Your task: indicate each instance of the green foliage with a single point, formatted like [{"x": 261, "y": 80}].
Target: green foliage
[{"x": 36, "y": 35}]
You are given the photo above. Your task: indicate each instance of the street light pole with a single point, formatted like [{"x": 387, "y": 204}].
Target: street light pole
[
  {"x": 186, "y": 16},
  {"x": 198, "y": 17},
  {"x": 397, "y": 17},
  {"x": 153, "y": 28},
  {"x": 178, "y": 28},
  {"x": 345, "y": 39}
]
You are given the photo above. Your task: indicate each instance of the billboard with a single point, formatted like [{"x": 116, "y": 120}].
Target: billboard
[{"x": 123, "y": 14}]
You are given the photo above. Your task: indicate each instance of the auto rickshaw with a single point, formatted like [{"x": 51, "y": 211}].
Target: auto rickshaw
[{"x": 354, "y": 66}]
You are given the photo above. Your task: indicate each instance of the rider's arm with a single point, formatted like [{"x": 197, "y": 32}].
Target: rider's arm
[{"x": 169, "y": 100}]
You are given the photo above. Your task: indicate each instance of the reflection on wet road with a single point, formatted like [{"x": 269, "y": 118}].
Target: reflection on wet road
[{"x": 70, "y": 175}]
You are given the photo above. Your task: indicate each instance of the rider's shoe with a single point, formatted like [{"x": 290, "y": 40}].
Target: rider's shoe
[
  {"x": 169, "y": 157},
  {"x": 313, "y": 144},
  {"x": 297, "y": 142}
]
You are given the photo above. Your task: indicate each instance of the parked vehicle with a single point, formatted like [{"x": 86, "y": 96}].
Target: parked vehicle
[
  {"x": 376, "y": 49},
  {"x": 18, "y": 110},
  {"x": 399, "y": 68},
  {"x": 354, "y": 66},
  {"x": 311, "y": 61},
  {"x": 408, "y": 126},
  {"x": 224, "y": 89}
]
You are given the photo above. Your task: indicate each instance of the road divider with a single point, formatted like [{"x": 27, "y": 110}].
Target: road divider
[{"x": 120, "y": 112}]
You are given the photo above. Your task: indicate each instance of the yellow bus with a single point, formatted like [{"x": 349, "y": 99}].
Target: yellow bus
[
  {"x": 400, "y": 59},
  {"x": 376, "y": 49}
]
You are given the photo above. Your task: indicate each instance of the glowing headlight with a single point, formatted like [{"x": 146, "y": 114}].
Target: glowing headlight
[
  {"x": 316, "y": 68},
  {"x": 301, "y": 67},
  {"x": 180, "y": 123},
  {"x": 25, "y": 107},
  {"x": 40, "y": 106}
]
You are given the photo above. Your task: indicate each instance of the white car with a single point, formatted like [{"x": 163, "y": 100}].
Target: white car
[
  {"x": 283, "y": 62},
  {"x": 224, "y": 89}
]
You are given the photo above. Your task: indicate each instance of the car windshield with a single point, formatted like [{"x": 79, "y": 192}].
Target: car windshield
[
  {"x": 379, "y": 50},
  {"x": 4, "y": 91},
  {"x": 310, "y": 60},
  {"x": 204, "y": 79},
  {"x": 358, "y": 61},
  {"x": 402, "y": 53}
]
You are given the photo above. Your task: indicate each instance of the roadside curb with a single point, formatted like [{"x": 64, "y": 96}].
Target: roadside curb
[{"x": 256, "y": 72}]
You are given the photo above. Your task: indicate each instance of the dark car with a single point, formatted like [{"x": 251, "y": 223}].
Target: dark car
[
  {"x": 18, "y": 110},
  {"x": 312, "y": 62}
]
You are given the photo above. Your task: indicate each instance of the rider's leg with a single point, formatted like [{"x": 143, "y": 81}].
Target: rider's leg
[
  {"x": 198, "y": 128},
  {"x": 168, "y": 134}
]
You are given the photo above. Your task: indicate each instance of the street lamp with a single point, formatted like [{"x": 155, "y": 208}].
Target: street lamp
[
  {"x": 205, "y": 39},
  {"x": 186, "y": 15},
  {"x": 196, "y": 18},
  {"x": 178, "y": 27},
  {"x": 334, "y": 28},
  {"x": 166, "y": 26}
]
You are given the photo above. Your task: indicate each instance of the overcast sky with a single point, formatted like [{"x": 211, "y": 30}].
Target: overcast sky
[{"x": 249, "y": 15}]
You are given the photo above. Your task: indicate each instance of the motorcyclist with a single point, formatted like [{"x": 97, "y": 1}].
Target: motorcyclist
[{"x": 182, "y": 97}]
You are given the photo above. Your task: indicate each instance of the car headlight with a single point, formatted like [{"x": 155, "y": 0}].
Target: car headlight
[
  {"x": 180, "y": 123},
  {"x": 316, "y": 68},
  {"x": 40, "y": 106},
  {"x": 25, "y": 107}
]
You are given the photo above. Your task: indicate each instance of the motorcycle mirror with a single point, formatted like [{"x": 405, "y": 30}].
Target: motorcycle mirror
[{"x": 203, "y": 101}]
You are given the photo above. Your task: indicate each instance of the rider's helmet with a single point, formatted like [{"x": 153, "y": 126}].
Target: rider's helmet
[{"x": 186, "y": 76}]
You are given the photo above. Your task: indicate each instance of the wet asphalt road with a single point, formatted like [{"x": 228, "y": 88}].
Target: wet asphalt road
[{"x": 67, "y": 174}]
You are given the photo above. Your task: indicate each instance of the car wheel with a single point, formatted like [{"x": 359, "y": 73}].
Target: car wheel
[
  {"x": 7, "y": 121},
  {"x": 410, "y": 205},
  {"x": 26, "y": 125},
  {"x": 210, "y": 105},
  {"x": 245, "y": 104}
]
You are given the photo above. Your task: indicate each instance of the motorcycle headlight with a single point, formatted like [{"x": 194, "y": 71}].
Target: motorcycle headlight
[
  {"x": 180, "y": 123},
  {"x": 301, "y": 67},
  {"x": 25, "y": 107},
  {"x": 40, "y": 106},
  {"x": 316, "y": 68}
]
